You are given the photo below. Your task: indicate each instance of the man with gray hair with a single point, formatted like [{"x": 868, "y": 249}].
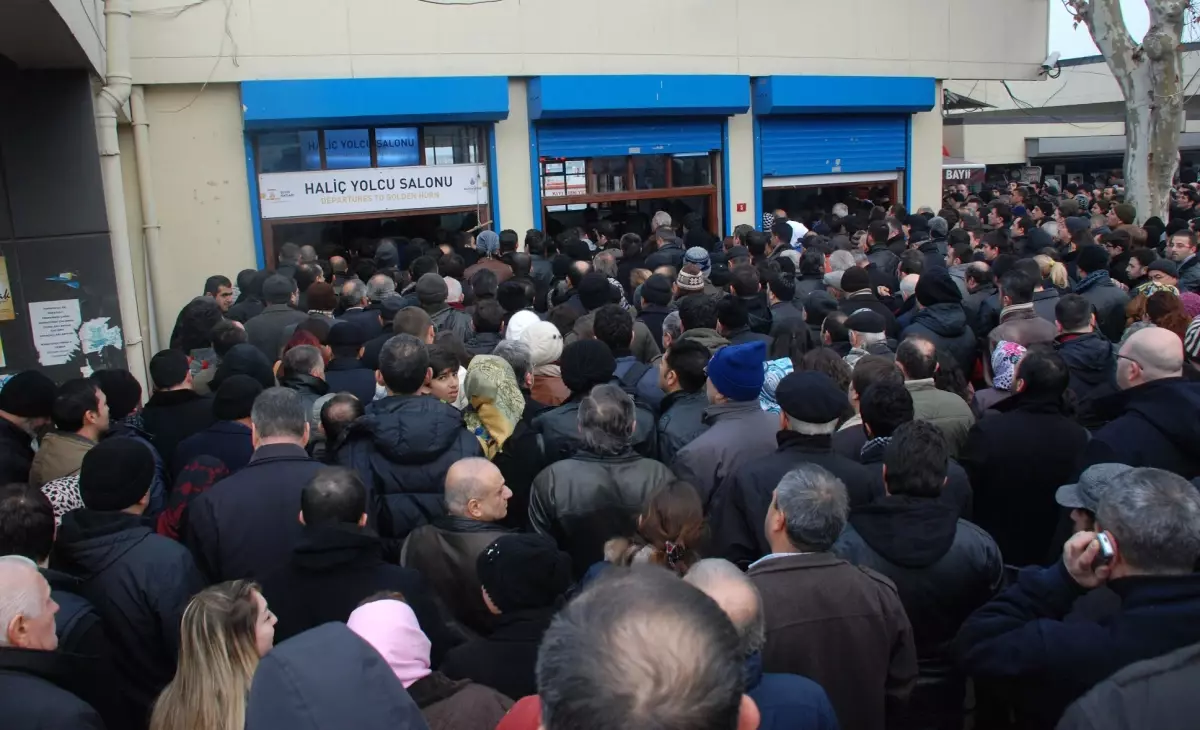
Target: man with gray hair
[
  {"x": 245, "y": 526},
  {"x": 36, "y": 682},
  {"x": 354, "y": 302},
  {"x": 1145, "y": 547},
  {"x": 839, "y": 625},
  {"x": 302, "y": 370},
  {"x": 785, "y": 701},
  {"x": 445, "y": 551},
  {"x": 597, "y": 493}
]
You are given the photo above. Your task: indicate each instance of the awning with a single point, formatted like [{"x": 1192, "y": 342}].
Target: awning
[
  {"x": 665, "y": 95},
  {"x": 954, "y": 102}
]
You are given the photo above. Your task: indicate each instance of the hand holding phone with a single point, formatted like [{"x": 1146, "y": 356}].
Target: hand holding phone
[{"x": 1087, "y": 558}]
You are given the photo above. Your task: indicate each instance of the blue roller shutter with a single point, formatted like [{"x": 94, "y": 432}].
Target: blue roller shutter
[
  {"x": 832, "y": 145},
  {"x": 595, "y": 138}
]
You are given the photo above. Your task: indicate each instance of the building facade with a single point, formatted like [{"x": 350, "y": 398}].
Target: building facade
[{"x": 315, "y": 121}]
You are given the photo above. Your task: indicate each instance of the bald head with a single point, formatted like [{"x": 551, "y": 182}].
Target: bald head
[
  {"x": 733, "y": 591},
  {"x": 308, "y": 254},
  {"x": 475, "y": 490},
  {"x": 1150, "y": 354}
]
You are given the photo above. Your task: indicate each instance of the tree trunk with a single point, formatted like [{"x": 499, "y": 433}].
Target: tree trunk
[{"x": 1150, "y": 78}]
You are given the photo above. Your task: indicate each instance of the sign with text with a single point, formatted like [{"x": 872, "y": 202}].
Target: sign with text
[
  {"x": 964, "y": 175},
  {"x": 337, "y": 192}
]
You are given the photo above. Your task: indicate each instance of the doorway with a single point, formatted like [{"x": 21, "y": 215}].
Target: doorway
[{"x": 349, "y": 233}]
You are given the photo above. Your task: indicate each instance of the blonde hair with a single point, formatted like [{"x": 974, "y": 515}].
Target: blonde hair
[
  {"x": 218, "y": 654},
  {"x": 1052, "y": 270}
]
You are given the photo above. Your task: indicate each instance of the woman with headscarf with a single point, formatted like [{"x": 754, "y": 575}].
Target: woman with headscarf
[
  {"x": 391, "y": 628},
  {"x": 1004, "y": 367},
  {"x": 495, "y": 406},
  {"x": 545, "y": 348}
]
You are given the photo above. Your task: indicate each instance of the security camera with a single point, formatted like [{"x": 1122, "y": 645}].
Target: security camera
[{"x": 1050, "y": 62}]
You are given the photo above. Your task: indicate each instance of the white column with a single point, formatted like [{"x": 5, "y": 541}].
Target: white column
[
  {"x": 514, "y": 187},
  {"x": 741, "y": 168},
  {"x": 926, "y": 175}
]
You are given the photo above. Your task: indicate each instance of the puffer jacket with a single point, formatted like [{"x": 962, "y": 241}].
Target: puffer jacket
[
  {"x": 946, "y": 326},
  {"x": 402, "y": 448},
  {"x": 1090, "y": 359},
  {"x": 559, "y": 428},
  {"x": 584, "y": 501},
  {"x": 139, "y": 582}
]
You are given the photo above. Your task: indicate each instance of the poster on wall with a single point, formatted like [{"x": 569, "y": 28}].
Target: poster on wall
[
  {"x": 6, "y": 300},
  {"x": 55, "y": 328},
  {"x": 339, "y": 192}
]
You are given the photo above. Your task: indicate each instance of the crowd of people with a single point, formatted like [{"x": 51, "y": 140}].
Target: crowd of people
[{"x": 866, "y": 469}]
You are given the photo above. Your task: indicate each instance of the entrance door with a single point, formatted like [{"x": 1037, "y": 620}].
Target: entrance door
[{"x": 808, "y": 197}]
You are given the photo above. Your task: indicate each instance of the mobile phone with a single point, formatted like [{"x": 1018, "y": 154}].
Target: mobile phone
[{"x": 1105, "y": 556}]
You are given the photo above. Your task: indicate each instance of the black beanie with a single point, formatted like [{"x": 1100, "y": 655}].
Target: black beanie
[
  {"x": 937, "y": 287},
  {"x": 29, "y": 394},
  {"x": 235, "y": 398},
  {"x": 523, "y": 571},
  {"x": 122, "y": 391},
  {"x": 115, "y": 474},
  {"x": 586, "y": 364},
  {"x": 245, "y": 359}
]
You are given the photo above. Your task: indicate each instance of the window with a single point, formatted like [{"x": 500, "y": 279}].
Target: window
[
  {"x": 690, "y": 170},
  {"x": 629, "y": 174},
  {"x": 451, "y": 145},
  {"x": 353, "y": 149}
]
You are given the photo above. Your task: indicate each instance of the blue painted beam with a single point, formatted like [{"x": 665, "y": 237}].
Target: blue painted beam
[
  {"x": 843, "y": 94},
  {"x": 573, "y": 97}
]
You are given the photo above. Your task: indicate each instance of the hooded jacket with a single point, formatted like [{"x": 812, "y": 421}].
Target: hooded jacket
[
  {"x": 402, "y": 449},
  {"x": 710, "y": 338},
  {"x": 1090, "y": 359},
  {"x": 943, "y": 567},
  {"x": 585, "y": 500},
  {"x": 946, "y": 326},
  {"x": 329, "y": 677},
  {"x": 139, "y": 582},
  {"x": 1156, "y": 429},
  {"x": 1108, "y": 300},
  {"x": 40, "y": 690},
  {"x": 333, "y": 568}
]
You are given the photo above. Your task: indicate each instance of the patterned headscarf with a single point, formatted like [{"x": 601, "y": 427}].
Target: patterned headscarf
[
  {"x": 775, "y": 370},
  {"x": 496, "y": 403},
  {"x": 1151, "y": 288},
  {"x": 1191, "y": 340},
  {"x": 768, "y": 221},
  {"x": 1004, "y": 364}
]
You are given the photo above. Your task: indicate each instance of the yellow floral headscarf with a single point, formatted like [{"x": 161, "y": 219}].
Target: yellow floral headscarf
[{"x": 495, "y": 399}]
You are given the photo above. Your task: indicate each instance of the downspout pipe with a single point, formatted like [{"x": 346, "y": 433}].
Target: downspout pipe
[
  {"x": 118, "y": 83},
  {"x": 151, "y": 229}
]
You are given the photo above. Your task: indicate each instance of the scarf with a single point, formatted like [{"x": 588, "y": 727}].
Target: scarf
[
  {"x": 391, "y": 628},
  {"x": 873, "y": 449},
  {"x": 1004, "y": 363},
  {"x": 1091, "y": 280},
  {"x": 776, "y": 370},
  {"x": 496, "y": 403}
]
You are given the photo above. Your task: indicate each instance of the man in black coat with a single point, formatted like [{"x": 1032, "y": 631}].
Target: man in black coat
[
  {"x": 245, "y": 525},
  {"x": 886, "y": 406},
  {"x": 230, "y": 439},
  {"x": 1087, "y": 353},
  {"x": 404, "y": 445},
  {"x": 856, "y": 285},
  {"x": 175, "y": 411},
  {"x": 524, "y": 578},
  {"x": 943, "y": 567},
  {"x": 25, "y": 404},
  {"x": 1157, "y": 426},
  {"x": 40, "y": 688},
  {"x": 669, "y": 251},
  {"x": 878, "y": 252},
  {"x": 655, "y": 305},
  {"x": 942, "y": 320},
  {"x": 338, "y": 562},
  {"x": 265, "y": 331},
  {"x": 1017, "y": 460},
  {"x": 812, "y": 406},
  {"x": 346, "y": 373},
  {"x": 1108, "y": 299},
  {"x": 139, "y": 582}
]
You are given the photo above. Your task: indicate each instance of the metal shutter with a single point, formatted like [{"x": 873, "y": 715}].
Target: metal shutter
[
  {"x": 595, "y": 138},
  {"x": 831, "y": 145}
]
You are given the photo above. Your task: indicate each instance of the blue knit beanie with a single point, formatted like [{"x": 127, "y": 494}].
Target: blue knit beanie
[{"x": 737, "y": 371}]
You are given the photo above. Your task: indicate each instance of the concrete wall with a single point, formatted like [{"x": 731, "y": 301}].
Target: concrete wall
[
  {"x": 271, "y": 39},
  {"x": 202, "y": 194},
  {"x": 926, "y": 173},
  {"x": 742, "y": 183},
  {"x": 515, "y": 186}
]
